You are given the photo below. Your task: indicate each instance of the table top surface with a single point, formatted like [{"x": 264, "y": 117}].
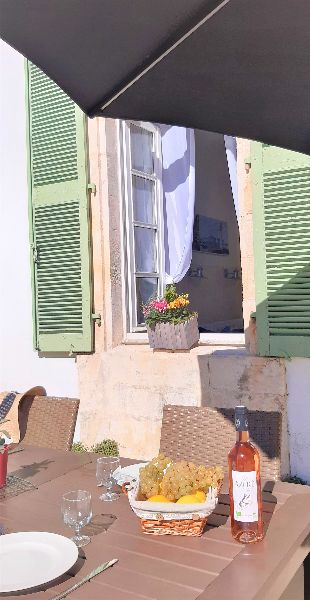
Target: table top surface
[{"x": 211, "y": 567}]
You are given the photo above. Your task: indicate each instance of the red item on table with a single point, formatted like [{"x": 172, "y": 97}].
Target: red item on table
[{"x": 3, "y": 465}]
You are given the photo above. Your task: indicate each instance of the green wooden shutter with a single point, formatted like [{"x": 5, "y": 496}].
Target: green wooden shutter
[
  {"x": 59, "y": 216},
  {"x": 281, "y": 219}
]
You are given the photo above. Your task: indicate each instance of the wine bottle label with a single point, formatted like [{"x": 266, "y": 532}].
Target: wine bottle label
[{"x": 245, "y": 496}]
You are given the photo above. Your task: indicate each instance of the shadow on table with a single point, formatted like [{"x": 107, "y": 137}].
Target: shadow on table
[
  {"x": 65, "y": 578},
  {"x": 269, "y": 503},
  {"x": 99, "y": 524},
  {"x": 32, "y": 469},
  {"x": 220, "y": 515}
]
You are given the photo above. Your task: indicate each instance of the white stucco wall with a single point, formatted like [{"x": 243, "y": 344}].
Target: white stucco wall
[
  {"x": 20, "y": 365},
  {"x": 298, "y": 387}
]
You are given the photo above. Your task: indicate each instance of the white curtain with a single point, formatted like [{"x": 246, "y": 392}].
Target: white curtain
[
  {"x": 178, "y": 177},
  {"x": 231, "y": 155}
]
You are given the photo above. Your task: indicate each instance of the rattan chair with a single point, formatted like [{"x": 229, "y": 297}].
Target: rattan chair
[
  {"x": 48, "y": 422},
  {"x": 205, "y": 435}
]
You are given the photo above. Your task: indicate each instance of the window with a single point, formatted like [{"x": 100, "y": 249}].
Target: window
[
  {"x": 171, "y": 174},
  {"x": 143, "y": 217}
]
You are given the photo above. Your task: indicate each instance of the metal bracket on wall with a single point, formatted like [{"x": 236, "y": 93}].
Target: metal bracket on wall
[
  {"x": 247, "y": 164},
  {"x": 92, "y": 188},
  {"x": 235, "y": 274},
  {"x": 198, "y": 272},
  {"x": 97, "y": 318}
]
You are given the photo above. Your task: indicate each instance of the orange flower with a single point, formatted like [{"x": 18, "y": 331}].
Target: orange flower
[{"x": 179, "y": 302}]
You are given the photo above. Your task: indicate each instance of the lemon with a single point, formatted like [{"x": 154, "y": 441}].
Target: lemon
[
  {"x": 158, "y": 498},
  {"x": 201, "y": 496},
  {"x": 190, "y": 499}
]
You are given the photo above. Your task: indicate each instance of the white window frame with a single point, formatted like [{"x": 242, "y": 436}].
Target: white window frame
[
  {"x": 131, "y": 324},
  {"x": 134, "y": 334}
]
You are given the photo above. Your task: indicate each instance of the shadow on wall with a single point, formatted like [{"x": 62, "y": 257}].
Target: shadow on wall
[
  {"x": 264, "y": 428},
  {"x": 283, "y": 329}
]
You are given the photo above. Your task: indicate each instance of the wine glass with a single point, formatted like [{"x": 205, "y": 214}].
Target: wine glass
[
  {"x": 76, "y": 512},
  {"x": 106, "y": 465}
]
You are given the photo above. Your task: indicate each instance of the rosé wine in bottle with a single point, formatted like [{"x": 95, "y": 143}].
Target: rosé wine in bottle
[{"x": 244, "y": 484}]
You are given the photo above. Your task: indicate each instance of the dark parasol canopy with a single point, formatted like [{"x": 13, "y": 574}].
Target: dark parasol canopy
[{"x": 239, "y": 67}]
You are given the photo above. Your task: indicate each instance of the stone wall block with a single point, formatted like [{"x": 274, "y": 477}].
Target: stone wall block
[{"x": 252, "y": 375}]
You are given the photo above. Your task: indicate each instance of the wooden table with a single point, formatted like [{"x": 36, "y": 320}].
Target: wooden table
[{"x": 213, "y": 567}]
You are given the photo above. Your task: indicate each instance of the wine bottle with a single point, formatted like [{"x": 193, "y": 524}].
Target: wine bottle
[{"x": 244, "y": 484}]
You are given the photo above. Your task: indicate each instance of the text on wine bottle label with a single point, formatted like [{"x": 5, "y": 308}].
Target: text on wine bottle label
[{"x": 245, "y": 496}]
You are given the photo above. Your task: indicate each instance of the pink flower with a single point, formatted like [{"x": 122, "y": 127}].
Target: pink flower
[{"x": 160, "y": 305}]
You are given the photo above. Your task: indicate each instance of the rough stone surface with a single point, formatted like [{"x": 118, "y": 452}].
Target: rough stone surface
[{"x": 130, "y": 384}]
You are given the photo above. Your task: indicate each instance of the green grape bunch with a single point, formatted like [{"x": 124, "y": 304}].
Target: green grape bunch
[
  {"x": 185, "y": 478},
  {"x": 173, "y": 480},
  {"x": 152, "y": 474}
]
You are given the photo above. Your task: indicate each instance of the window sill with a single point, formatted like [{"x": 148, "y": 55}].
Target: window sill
[
  {"x": 222, "y": 339},
  {"x": 206, "y": 339}
]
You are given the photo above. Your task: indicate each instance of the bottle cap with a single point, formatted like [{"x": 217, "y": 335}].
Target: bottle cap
[{"x": 241, "y": 418}]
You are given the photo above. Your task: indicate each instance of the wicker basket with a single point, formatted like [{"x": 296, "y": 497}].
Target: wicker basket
[
  {"x": 192, "y": 527},
  {"x": 190, "y": 519}
]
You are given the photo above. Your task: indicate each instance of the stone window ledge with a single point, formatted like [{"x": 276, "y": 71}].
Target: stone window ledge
[{"x": 206, "y": 339}]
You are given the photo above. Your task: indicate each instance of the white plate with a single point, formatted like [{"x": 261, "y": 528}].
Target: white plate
[
  {"x": 128, "y": 473},
  {"x": 32, "y": 558}
]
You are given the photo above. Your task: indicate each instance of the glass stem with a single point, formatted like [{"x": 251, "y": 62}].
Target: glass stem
[{"x": 77, "y": 530}]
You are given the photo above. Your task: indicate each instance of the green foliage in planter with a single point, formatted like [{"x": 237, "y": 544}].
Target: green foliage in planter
[
  {"x": 294, "y": 479},
  {"x": 170, "y": 292},
  {"x": 172, "y": 308},
  {"x": 106, "y": 447},
  {"x": 79, "y": 447}
]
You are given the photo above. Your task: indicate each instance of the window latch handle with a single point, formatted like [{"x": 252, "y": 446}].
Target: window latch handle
[
  {"x": 92, "y": 188},
  {"x": 97, "y": 318}
]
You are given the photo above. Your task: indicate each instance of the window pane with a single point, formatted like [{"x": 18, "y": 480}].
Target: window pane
[
  {"x": 146, "y": 288},
  {"x": 141, "y": 149},
  {"x": 145, "y": 250},
  {"x": 143, "y": 200}
]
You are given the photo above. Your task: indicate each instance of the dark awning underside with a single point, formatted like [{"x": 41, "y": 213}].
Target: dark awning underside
[{"x": 243, "y": 70}]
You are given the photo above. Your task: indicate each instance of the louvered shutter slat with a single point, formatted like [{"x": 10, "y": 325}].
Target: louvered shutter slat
[
  {"x": 60, "y": 223},
  {"x": 281, "y": 218}
]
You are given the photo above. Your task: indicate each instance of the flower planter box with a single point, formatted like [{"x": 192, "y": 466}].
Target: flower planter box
[{"x": 168, "y": 336}]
